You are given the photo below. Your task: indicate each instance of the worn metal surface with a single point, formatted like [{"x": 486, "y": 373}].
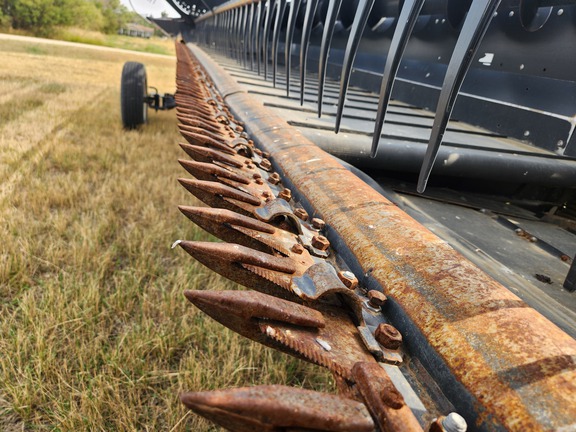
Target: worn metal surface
[
  {"x": 499, "y": 362},
  {"x": 278, "y": 408}
]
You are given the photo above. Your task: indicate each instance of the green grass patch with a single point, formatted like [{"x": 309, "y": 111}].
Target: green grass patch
[
  {"x": 54, "y": 88},
  {"x": 36, "y": 49}
]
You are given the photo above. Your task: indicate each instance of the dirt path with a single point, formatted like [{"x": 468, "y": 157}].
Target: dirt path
[{"x": 28, "y": 39}]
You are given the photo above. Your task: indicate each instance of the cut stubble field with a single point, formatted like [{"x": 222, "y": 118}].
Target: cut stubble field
[{"x": 95, "y": 333}]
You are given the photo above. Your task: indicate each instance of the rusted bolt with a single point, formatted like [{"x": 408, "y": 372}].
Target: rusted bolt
[
  {"x": 318, "y": 223},
  {"x": 320, "y": 242},
  {"x": 259, "y": 181},
  {"x": 231, "y": 134},
  {"x": 239, "y": 129},
  {"x": 222, "y": 119},
  {"x": 256, "y": 150},
  {"x": 298, "y": 249},
  {"x": 285, "y": 194},
  {"x": 388, "y": 336},
  {"x": 265, "y": 164},
  {"x": 266, "y": 155},
  {"x": 256, "y": 176},
  {"x": 249, "y": 166},
  {"x": 266, "y": 194},
  {"x": 251, "y": 143},
  {"x": 348, "y": 279},
  {"x": 274, "y": 178},
  {"x": 301, "y": 214},
  {"x": 533, "y": 239},
  {"x": 376, "y": 298}
]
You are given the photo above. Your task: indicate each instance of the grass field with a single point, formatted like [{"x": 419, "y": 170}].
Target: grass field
[{"x": 95, "y": 333}]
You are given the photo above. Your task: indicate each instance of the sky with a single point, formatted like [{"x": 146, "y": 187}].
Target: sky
[{"x": 150, "y": 7}]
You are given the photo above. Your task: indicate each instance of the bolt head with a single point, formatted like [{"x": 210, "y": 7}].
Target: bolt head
[
  {"x": 285, "y": 194},
  {"x": 301, "y": 214},
  {"x": 320, "y": 242},
  {"x": 376, "y": 298},
  {"x": 318, "y": 223},
  {"x": 265, "y": 164},
  {"x": 348, "y": 279},
  {"x": 274, "y": 178},
  {"x": 297, "y": 249},
  {"x": 388, "y": 336}
]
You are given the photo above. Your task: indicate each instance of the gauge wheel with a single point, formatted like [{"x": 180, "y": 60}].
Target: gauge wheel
[{"x": 133, "y": 95}]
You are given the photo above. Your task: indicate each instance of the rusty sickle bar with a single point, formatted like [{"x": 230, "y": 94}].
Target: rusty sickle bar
[{"x": 339, "y": 281}]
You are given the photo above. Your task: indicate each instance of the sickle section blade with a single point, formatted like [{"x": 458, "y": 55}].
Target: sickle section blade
[
  {"x": 249, "y": 305},
  {"x": 218, "y": 195},
  {"x": 406, "y": 21},
  {"x": 360, "y": 20},
  {"x": 229, "y": 260},
  {"x": 273, "y": 408},
  {"x": 206, "y": 141},
  {"x": 195, "y": 121},
  {"x": 200, "y": 131},
  {"x": 335, "y": 347},
  {"x": 234, "y": 253},
  {"x": 223, "y": 224},
  {"x": 211, "y": 172},
  {"x": 475, "y": 25},
  {"x": 206, "y": 154}
]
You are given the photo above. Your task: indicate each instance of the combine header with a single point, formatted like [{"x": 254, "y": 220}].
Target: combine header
[{"x": 439, "y": 303}]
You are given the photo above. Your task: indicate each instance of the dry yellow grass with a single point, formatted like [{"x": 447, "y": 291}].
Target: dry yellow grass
[{"x": 95, "y": 333}]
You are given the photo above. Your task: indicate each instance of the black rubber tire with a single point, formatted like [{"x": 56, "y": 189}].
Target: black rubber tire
[{"x": 133, "y": 94}]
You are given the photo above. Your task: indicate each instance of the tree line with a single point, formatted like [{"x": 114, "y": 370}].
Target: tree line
[{"x": 41, "y": 17}]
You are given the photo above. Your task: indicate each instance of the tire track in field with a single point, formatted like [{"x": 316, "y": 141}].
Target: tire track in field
[{"x": 33, "y": 152}]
